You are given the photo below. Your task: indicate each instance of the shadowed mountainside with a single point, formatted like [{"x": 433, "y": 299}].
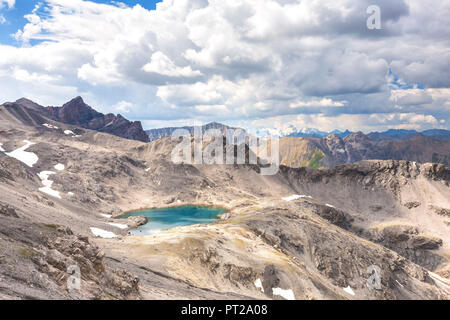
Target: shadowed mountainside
[{"x": 78, "y": 113}]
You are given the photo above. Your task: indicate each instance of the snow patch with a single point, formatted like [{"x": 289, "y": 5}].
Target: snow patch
[
  {"x": 258, "y": 285},
  {"x": 329, "y": 205},
  {"x": 286, "y": 294},
  {"x": 1, "y": 147},
  {"x": 439, "y": 278},
  {"x": 50, "y": 126},
  {"x": 103, "y": 233},
  {"x": 147, "y": 170},
  {"x": 349, "y": 290},
  {"x": 296, "y": 197},
  {"x": 70, "y": 194},
  {"x": 29, "y": 158},
  {"x": 69, "y": 132},
  {"x": 59, "y": 167},
  {"x": 48, "y": 184},
  {"x": 118, "y": 225},
  {"x": 107, "y": 216}
]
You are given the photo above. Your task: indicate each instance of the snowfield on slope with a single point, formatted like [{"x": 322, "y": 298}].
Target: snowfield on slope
[
  {"x": 29, "y": 158},
  {"x": 103, "y": 233},
  {"x": 349, "y": 290},
  {"x": 296, "y": 197},
  {"x": 258, "y": 285},
  {"x": 59, "y": 167},
  {"x": 286, "y": 294},
  {"x": 48, "y": 184},
  {"x": 118, "y": 225},
  {"x": 49, "y": 126}
]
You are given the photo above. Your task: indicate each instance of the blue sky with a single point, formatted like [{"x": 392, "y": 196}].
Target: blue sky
[
  {"x": 15, "y": 16},
  {"x": 262, "y": 64}
]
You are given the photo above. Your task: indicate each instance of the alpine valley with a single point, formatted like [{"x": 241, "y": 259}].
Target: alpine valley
[{"x": 339, "y": 207}]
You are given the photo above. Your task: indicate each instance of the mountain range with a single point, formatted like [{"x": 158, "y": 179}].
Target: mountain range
[
  {"x": 305, "y": 148},
  {"x": 77, "y": 113},
  {"x": 316, "y": 149},
  {"x": 391, "y": 134},
  {"x": 333, "y": 150},
  {"x": 312, "y": 234}
]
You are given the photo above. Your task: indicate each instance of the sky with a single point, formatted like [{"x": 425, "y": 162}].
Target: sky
[{"x": 260, "y": 64}]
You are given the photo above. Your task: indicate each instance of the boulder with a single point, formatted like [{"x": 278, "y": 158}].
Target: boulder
[
  {"x": 8, "y": 211},
  {"x": 134, "y": 222}
]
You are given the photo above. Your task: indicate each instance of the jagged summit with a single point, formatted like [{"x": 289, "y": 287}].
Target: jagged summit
[{"x": 76, "y": 112}]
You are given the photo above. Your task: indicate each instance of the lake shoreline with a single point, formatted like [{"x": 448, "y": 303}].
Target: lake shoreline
[
  {"x": 177, "y": 205},
  {"x": 222, "y": 214}
]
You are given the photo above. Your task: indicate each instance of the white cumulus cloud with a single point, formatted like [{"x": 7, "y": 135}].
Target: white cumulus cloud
[
  {"x": 7, "y": 3},
  {"x": 237, "y": 60}
]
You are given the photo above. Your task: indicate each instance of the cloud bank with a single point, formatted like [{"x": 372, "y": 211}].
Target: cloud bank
[{"x": 252, "y": 62}]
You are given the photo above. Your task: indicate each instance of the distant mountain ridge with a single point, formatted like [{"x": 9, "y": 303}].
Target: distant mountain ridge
[
  {"x": 308, "y": 148},
  {"x": 391, "y": 134},
  {"x": 76, "y": 112},
  {"x": 312, "y": 133},
  {"x": 155, "y": 134},
  {"x": 333, "y": 150}
]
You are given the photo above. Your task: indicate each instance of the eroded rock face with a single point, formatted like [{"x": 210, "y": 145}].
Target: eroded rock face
[
  {"x": 343, "y": 261},
  {"x": 45, "y": 257},
  {"x": 412, "y": 204},
  {"x": 441, "y": 211},
  {"x": 291, "y": 250},
  {"x": 408, "y": 242},
  {"x": 76, "y": 112},
  {"x": 8, "y": 211},
  {"x": 333, "y": 215}
]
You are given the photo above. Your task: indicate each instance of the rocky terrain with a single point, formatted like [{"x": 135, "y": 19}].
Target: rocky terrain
[
  {"x": 333, "y": 150},
  {"x": 76, "y": 112},
  {"x": 302, "y": 233},
  {"x": 327, "y": 150}
]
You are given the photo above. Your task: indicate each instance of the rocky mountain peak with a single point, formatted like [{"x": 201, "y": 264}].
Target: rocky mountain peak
[
  {"x": 357, "y": 137},
  {"x": 76, "y": 112},
  {"x": 76, "y": 100},
  {"x": 27, "y": 103}
]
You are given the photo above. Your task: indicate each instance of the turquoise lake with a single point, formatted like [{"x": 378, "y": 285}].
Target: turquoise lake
[{"x": 168, "y": 218}]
